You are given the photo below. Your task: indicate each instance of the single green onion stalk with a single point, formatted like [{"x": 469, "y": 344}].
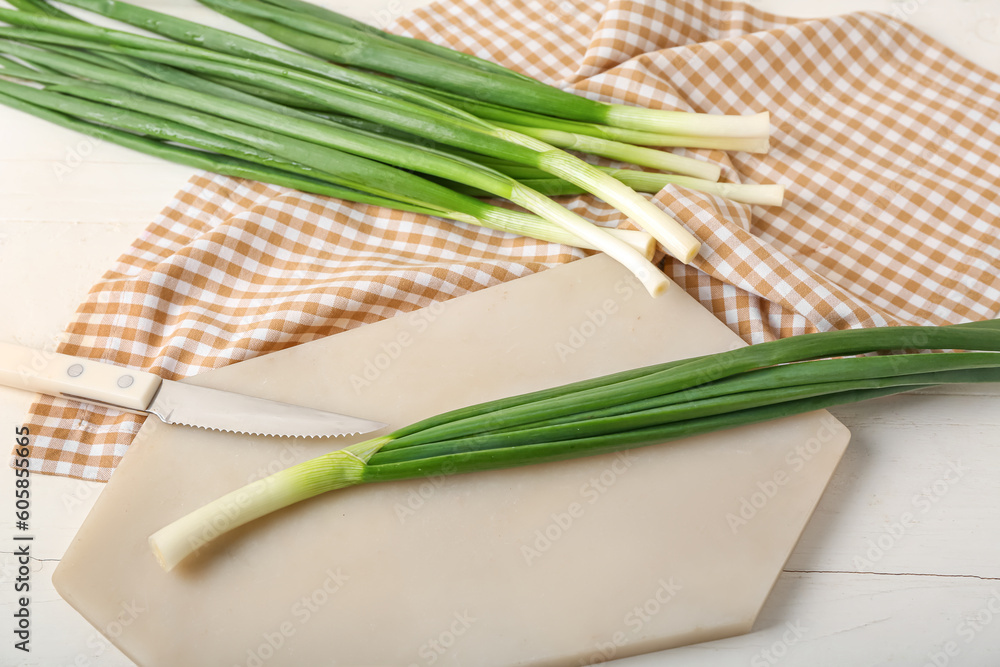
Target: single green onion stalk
[
  {"x": 615, "y": 150},
  {"x": 634, "y": 408},
  {"x": 762, "y": 194},
  {"x": 506, "y": 115},
  {"x": 331, "y": 471}
]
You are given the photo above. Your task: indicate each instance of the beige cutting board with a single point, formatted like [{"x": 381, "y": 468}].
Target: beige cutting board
[{"x": 560, "y": 564}]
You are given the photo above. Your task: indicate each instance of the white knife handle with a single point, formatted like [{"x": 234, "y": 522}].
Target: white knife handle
[{"x": 63, "y": 375}]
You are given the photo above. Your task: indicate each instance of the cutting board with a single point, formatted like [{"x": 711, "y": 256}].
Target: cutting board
[{"x": 560, "y": 564}]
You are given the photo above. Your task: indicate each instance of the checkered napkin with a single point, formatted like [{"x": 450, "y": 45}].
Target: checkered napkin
[{"x": 886, "y": 141}]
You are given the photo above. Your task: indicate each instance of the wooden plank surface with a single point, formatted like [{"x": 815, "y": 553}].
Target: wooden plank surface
[{"x": 934, "y": 584}]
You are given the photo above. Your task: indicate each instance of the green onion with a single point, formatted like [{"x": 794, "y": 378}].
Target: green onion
[
  {"x": 440, "y": 113},
  {"x": 349, "y": 45},
  {"x": 616, "y": 150},
  {"x": 762, "y": 194},
  {"x": 202, "y": 160},
  {"x": 670, "y": 408},
  {"x": 657, "y": 381},
  {"x": 208, "y": 43},
  {"x": 765, "y": 194},
  {"x": 253, "y": 163},
  {"x": 410, "y": 42},
  {"x": 475, "y": 135},
  {"x": 298, "y": 134},
  {"x": 503, "y": 114},
  {"x": 629, "y": 409},
  {"x": 286, "y": 487}
]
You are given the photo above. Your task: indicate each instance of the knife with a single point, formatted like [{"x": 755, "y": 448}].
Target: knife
[{"x": 173, "y": 402}]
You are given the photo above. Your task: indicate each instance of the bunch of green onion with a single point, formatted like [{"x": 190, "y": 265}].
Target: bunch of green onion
[
  {"x": 644, "y": 406},
  {"x": 369, "y": 117}
]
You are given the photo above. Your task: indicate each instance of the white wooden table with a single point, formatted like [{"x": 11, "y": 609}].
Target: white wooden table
[{"x": 900, "y": 564}]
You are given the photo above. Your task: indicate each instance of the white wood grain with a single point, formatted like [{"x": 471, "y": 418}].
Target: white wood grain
[
  {"x": 970, "y": 28},
  {"x": 917, "y": 492},
  {"x": 833, "y": 620},
  {"x": 50, "y": 174},
  {"x": 858, "y": 589}
]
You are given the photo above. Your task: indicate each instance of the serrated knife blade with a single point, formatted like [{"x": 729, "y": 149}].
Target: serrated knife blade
[
  {"x": 180, "y": 403},
  {"x": 171, "y": 401}
]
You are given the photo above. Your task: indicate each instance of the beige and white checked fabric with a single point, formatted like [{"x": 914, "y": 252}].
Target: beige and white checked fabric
[{"x": 886, "y": 141}]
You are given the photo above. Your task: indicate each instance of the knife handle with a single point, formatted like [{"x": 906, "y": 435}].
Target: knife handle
[{"x": 72, "y": 377}]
